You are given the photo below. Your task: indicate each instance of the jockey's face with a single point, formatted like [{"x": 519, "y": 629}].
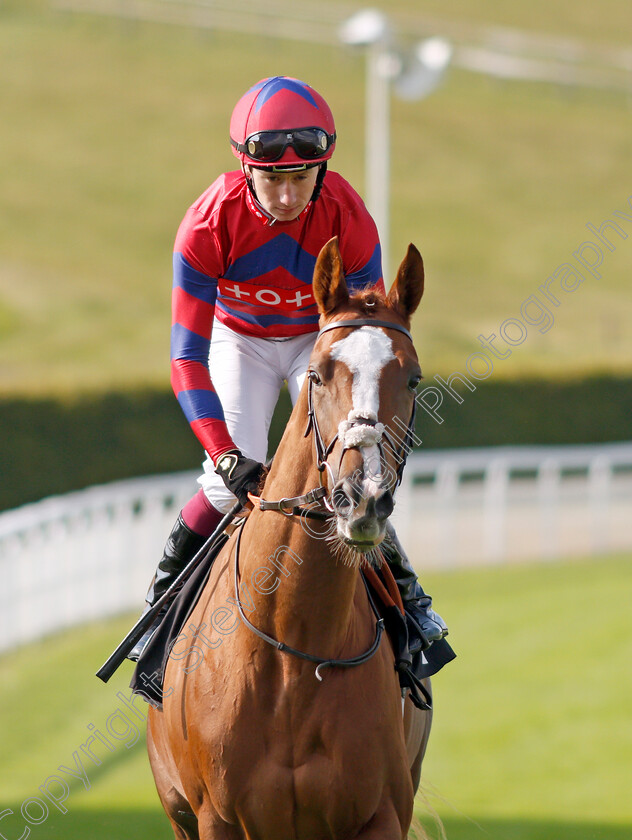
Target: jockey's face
[{"x": 283, "y": 195}]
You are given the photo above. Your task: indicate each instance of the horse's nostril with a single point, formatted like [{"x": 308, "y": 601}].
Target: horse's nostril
[
  {"x": 384, "y": 505},
  {"x": 341, "y": 501}
]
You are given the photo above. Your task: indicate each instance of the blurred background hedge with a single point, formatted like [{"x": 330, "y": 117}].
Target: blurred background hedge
[{"x": 53, "y": 445}]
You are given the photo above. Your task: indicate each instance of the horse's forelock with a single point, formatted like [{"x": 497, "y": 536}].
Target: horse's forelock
[{"x": 372, "y": 303}]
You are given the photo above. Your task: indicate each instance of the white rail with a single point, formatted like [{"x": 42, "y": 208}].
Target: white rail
[
  {"x": 465, "y": 506},
  {"x": 91, "y": 554},
  {"x": 85, "y": 555}
]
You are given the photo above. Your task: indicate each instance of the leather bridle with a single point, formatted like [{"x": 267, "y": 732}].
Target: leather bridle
[
  {"x": 323, "y": 450},
  {"x": 292, "y": 507}
]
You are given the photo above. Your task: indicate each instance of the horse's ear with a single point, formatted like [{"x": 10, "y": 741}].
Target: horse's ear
[
  {"x": 408, "y": 287},
  {"x": 330, "y": 288}
]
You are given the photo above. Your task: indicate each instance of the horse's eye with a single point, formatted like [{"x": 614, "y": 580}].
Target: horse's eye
[
  {"x": 414, "y": 380},
  {"x": 314, "y": 378}
]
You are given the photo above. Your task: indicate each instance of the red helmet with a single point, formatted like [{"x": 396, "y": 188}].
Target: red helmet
[{"x": 282, "y": 122}]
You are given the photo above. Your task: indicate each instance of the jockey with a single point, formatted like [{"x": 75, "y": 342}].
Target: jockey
[{"x": 244, "y": 316}]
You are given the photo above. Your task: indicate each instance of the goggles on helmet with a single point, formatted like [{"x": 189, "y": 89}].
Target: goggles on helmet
[{"x": 269, "y": 146}]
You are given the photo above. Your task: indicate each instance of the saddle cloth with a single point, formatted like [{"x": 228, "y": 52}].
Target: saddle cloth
[{"x": 411, "y": 669}]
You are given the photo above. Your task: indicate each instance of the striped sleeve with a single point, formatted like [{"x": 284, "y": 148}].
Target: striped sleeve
[
  {"x": 369, "y": 274},
  {"x": 193, "y": 309},
  {"x": 361, "y": 252}
]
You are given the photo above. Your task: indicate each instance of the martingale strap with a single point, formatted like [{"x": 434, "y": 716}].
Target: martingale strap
[{"x": 283, "y": 648}]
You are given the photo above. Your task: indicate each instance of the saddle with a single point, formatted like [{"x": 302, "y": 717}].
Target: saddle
[
  {"x": 148, "y": 677},
  {"x": 387, "y": 602}
]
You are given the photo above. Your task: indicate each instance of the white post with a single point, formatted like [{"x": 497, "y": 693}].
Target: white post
[
  {"x": 494, "y": 509},
  {"x": 599, "y": 473},
  {"x": 447, "y": 490},
  {"x": 371, "y": 29},
  {"x": 378, "y": 145},
  {"x": 549, "y": 479}
]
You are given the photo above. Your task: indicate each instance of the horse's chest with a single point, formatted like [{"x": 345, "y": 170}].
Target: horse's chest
[
  {"x": 312, "y": 768},
  {"x": 322, "y": 797}
]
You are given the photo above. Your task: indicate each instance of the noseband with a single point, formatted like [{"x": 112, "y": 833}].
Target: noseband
[{"x": 324, "y": 450}]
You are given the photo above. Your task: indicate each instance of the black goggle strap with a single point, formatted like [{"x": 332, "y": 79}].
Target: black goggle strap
[{"x": 319, "y": 181}]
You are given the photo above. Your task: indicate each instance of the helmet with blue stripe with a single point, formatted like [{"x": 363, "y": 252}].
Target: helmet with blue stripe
[{"x": 282, "y": 123}]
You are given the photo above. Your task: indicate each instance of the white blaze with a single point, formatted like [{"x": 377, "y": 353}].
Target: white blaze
[{"x": 364, "y": 352}]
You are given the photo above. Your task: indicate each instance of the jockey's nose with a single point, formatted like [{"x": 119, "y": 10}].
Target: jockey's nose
[{"x": 288, "y": 193}]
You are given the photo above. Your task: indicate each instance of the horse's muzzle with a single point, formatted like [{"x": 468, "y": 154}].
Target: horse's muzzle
[{"x": 361, "y": 518}]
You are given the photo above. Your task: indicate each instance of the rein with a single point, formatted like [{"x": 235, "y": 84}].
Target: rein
[{"x": 283, "y": 648}]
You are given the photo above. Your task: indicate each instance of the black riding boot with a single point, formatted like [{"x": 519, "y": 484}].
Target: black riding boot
[
  {"x": 425, "y": 626},
  {"x": 182, "y": 544}
]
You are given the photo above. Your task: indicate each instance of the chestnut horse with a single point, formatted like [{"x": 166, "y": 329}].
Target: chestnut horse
[{"x": 251, "y": 743}]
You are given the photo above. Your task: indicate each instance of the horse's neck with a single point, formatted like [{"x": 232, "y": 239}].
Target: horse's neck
[
  {"x": 293, "y": 469},
  {"x": 295, "y": 582}
]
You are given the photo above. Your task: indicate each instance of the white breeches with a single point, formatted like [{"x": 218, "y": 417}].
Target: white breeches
[{"x": 247, "y": 375}]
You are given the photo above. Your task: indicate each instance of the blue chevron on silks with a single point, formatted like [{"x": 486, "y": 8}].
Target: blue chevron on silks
[{"x": 235, "y": 263}]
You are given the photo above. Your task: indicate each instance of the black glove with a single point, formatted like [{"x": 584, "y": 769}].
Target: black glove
[{"x": 240, "y": 474}]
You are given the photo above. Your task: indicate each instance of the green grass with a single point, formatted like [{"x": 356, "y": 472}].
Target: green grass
[
  {"x": 532, "y": 721},
  {"x": 111, "y": 128},
  {"x": 531, "y": 738}
]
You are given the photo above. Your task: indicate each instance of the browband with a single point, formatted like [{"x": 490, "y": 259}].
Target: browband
[{"x": 365, "y": 322}]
